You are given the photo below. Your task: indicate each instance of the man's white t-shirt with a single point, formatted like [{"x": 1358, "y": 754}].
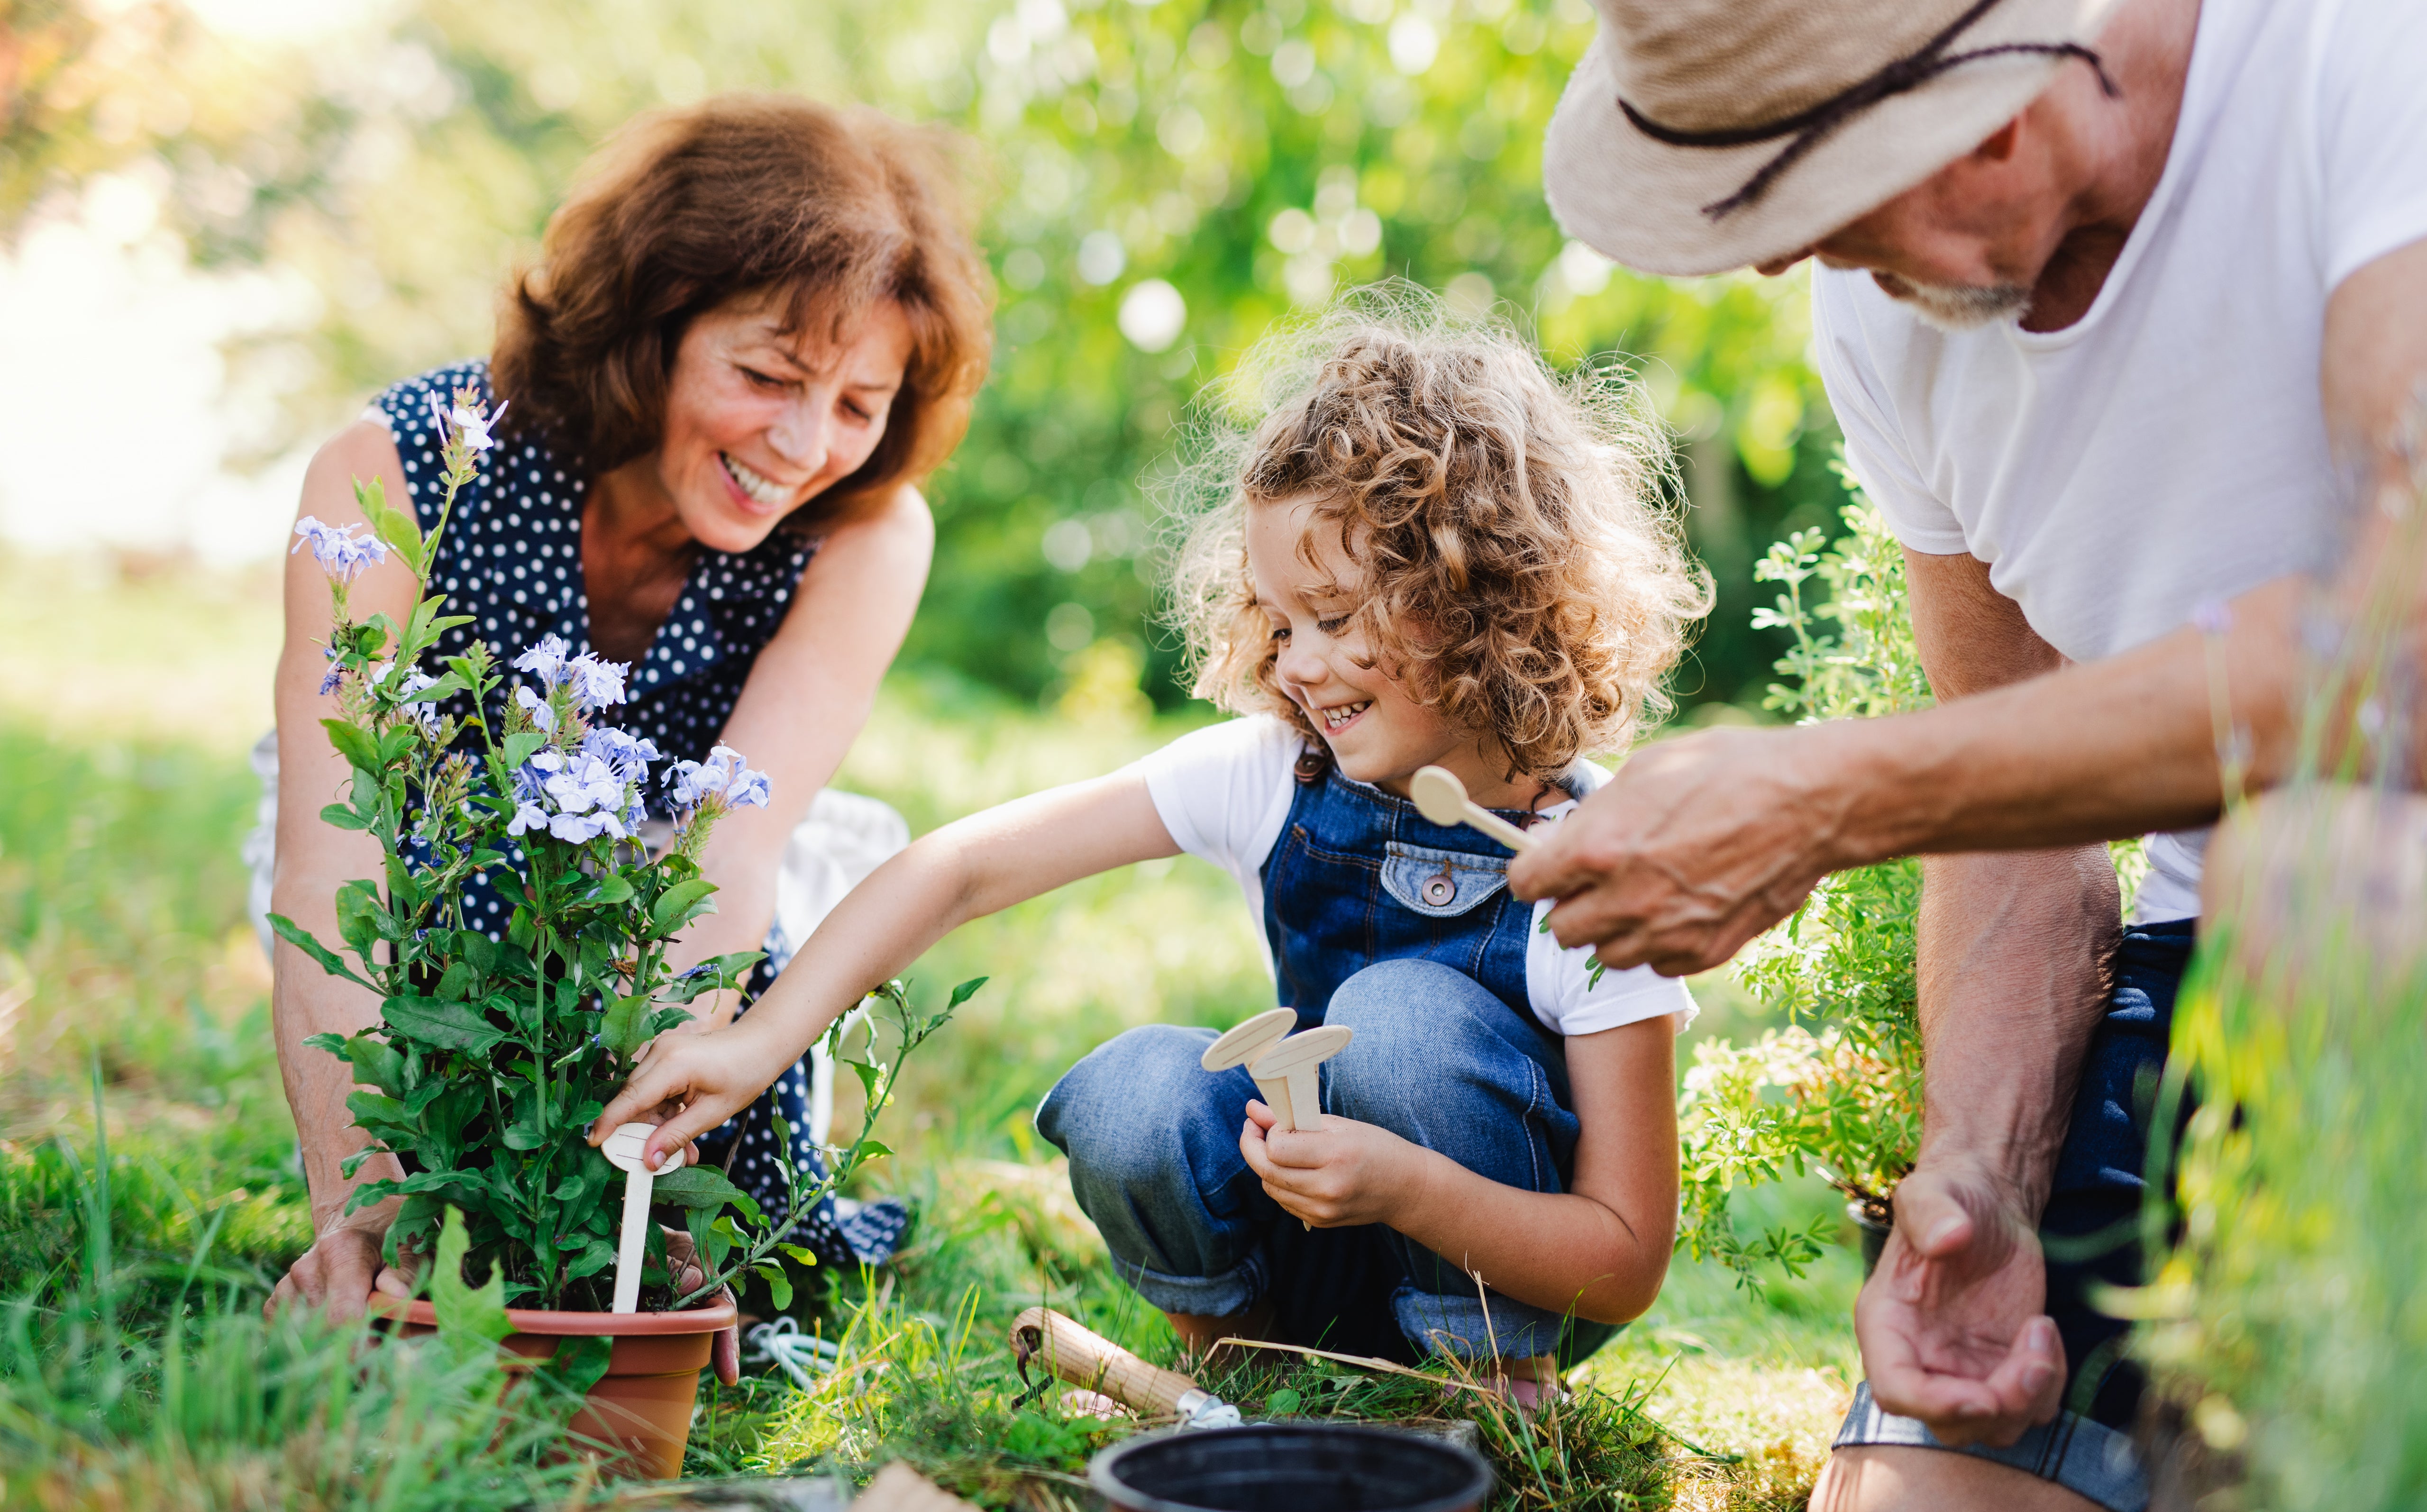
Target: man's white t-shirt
[
  {"x": 1223, "y": 793},
  {"x": 2169, "y": 449}
]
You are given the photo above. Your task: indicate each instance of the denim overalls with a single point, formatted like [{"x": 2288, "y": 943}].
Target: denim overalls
[{"x": 1404, "y": 931}]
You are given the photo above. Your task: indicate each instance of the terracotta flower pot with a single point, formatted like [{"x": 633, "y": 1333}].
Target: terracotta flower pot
[{"x": 644, "y": 1403}]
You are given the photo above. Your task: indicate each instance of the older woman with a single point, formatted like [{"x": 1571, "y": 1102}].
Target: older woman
[{"x": 753, "y": 328}]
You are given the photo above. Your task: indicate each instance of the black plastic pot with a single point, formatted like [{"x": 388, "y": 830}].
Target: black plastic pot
[
  {"x": 1874, "y": 1236},
  {"x": 1291, "y": 1467}
]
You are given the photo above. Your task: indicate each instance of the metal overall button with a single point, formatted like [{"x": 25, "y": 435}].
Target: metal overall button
[{"x": 1441, "y": 884}]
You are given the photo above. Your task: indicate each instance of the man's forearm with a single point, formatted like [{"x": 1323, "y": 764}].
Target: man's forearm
[
  {"x": 2093, "y": 751},
  {"x": 2013, "y": 964}
]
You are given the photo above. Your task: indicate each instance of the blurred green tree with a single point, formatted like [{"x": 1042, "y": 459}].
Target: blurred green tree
[{"x": 1160, "y": 180}]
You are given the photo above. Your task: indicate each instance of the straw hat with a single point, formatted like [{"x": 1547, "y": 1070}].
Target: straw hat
[{"x": 1699, "y": 136}]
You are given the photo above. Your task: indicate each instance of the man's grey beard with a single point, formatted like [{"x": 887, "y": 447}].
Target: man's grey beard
[{"x": 1957, "y": 307}]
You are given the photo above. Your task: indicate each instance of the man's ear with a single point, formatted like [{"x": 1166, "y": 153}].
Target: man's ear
[{"x": 2000, "y": 145}]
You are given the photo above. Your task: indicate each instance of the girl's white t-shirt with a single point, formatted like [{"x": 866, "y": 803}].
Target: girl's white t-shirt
[
  {"x": 1223, "y": 793},
  {"x": 2168, "y": 450}
]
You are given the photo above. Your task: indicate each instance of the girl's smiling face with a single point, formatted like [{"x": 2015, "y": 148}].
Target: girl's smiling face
[
  {"x": 758, "y": 421},
  {"x": 1378, "y": 732}
]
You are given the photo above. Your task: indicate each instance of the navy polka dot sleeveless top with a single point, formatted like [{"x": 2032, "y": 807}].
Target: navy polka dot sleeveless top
[{"x": 512, "y": 559}]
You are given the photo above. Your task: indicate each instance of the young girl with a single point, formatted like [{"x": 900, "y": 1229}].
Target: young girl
[{"x": 1430, "y": 551}]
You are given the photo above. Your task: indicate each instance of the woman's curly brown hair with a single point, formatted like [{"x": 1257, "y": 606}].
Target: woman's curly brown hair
[{"x": 1523, "y": 574}]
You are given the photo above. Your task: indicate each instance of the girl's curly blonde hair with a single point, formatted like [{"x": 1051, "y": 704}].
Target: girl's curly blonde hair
[{"x": 1524, "y": 573}]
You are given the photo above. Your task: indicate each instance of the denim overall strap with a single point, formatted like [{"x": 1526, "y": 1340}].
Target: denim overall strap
[{"x": 1358, "y": 876}]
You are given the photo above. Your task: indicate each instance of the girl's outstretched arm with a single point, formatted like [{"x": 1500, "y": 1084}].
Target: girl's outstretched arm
[
  {"x": 1600, "y": 1248},
  {"x": 965, "y": 870}
]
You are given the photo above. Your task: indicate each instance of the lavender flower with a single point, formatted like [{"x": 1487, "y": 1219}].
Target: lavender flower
[
  {"x": 544, "y": 660},
  {"x": 335, "y": 674},
  {"x": 595, "y": 683},
  {"x": 340, "y": 553},
  {"x": 542, "y": 716},
  {"x": 423, "y": 713},
  {"x": 471, "y": 427},
  {"x": 722, "y": 779},
  {"x": 630, "y": 758}
]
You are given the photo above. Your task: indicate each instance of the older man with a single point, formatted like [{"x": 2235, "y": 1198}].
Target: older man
[{"x": 2121, "y": 306}]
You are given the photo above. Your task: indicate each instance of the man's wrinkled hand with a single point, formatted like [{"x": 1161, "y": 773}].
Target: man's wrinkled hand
[
  {"x": 1952, "y": 1325},
  {"x": 338, "y": 1274},
  {"x": 1698, "y": 844}
]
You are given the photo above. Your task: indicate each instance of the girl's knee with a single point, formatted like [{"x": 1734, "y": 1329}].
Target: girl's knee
[
  {"x": 1129, "y": 1108},
  {"x": 1404, "y": 1015}
]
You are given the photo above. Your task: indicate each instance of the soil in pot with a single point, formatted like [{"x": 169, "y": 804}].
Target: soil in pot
[{"x": 644, "y": 1403}]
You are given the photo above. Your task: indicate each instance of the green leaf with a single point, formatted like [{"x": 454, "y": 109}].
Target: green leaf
[
  {"x": 663, "y": 1019},
  {"x": 807, "y": 1257},
  {"x": 714, "y": 974},
  {"x": 471, "y": 1320},
  {"x": 874, "y": 1149},
  {"x": 376, "y": 1063},
  {"x": 674, "y": 907},
  {"x": 360, "y": 916},
  {"x": 370, "y": 1108},
  {"x": 965, "y": 991},
  {"x": 448, "y": 1025},
  {"x": 611, "y": 888},
  {"x": 296, "y": 935},
  {"x": 1282, "y": 1403},
  {"x": 521, "y": 748},
  {"x": 779, "y": 1286},
  {"x": 334, "y": 1043},
  {"x": 353, "y": 743},
  {"x": 577, "y": 1365},
  {"x": 620, "y": 1031},
  {"x": 699, "y": 1187},
  {"x": 392, "y": 526},
  {"x": 343, "y": 817}
]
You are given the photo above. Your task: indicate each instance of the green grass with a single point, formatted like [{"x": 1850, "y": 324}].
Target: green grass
[{"x": 122, "y": 948}]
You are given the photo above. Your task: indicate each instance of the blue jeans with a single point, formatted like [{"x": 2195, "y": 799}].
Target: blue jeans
[{"x": 1153, "y": 1141}]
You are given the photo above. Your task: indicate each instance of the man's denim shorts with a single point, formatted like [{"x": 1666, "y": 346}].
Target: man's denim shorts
[{"x": 2091, "y": 1232}]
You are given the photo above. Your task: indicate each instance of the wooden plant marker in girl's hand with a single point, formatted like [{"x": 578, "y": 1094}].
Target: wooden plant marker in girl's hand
[
  {"x": 1287, "y": 1074},
  {"x": 1441, "y": 798},
  {"x": 622, "y": 1151},
  {"x": 1249, "y": 1040}
]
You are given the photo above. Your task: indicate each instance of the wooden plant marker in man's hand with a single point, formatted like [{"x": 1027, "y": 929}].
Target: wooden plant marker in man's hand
[
  {"x": 1441, "y": 798},
  {"x": 622, "y": 1151}
]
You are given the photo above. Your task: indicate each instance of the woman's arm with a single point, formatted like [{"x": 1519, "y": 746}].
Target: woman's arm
[
  {"x": 313, "y": 860},
  {"x": 804, "y": 703},
  {"x": 965, "y": 870},
  {"x": 1601, "y": 1249}
]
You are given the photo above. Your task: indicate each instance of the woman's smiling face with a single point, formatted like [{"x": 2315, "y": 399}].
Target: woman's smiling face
[
  {"x": 759, "y": 421},
  {"x": 1376, "y": 732}
]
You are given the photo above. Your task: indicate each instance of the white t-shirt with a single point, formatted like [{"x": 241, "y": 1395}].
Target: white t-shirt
[
  {"x": 1223, "y": 793},
  {"x": 2168, "y": 450}
]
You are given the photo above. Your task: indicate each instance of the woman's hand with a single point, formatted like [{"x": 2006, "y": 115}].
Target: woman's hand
[
  {"x": 690, "y": 1084},
  {"x": 1337, "y": 1174}
]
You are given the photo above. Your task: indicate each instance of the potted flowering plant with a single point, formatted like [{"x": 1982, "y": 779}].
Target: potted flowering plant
[{"x": 493, "y": 1056}]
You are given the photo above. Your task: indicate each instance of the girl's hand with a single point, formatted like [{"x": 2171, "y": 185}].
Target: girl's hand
[
  {"x": 690, "y": 1084},
  {"x": 1337, "y": 1174}
]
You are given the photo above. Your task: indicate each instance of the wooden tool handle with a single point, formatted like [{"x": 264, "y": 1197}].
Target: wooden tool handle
[{"x": 1083, "y": 1358}]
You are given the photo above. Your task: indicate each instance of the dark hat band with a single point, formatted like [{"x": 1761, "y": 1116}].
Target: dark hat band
[{"x": 1811, "y": 127}]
